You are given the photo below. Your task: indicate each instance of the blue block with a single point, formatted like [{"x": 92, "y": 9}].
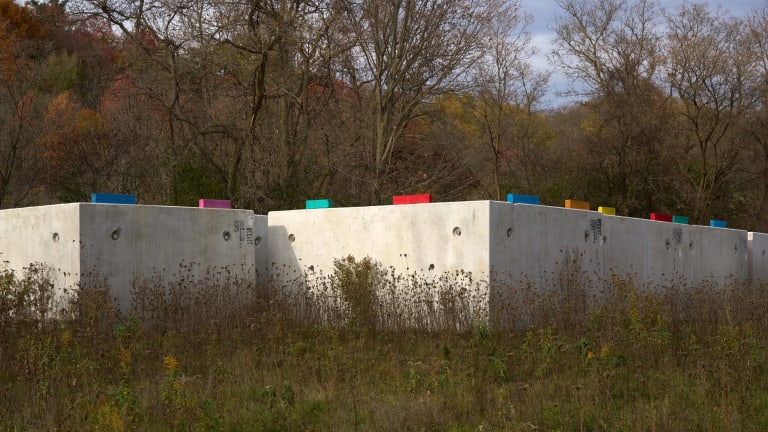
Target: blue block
[
  {"x": 523, "y": 199},
  {"x": 104, "y": 198},
  {"x": 717, "y": 223},
  {"x": 319, "y": 204}
]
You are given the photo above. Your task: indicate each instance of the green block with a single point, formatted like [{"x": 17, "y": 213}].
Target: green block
[
  {"x": 680, "y": 219},
  {"x": 318, "y": 204}
]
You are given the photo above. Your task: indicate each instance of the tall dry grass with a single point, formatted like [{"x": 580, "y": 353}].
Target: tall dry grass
[{"x": 202, "y": 356}]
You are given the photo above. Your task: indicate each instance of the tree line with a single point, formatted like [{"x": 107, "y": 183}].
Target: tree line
[{"x": 271, "y": 102}]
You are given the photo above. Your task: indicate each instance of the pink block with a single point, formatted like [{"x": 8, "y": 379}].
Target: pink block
[
  {"x": 212, "y": 203},
  {"x": 412, "y": 199}
]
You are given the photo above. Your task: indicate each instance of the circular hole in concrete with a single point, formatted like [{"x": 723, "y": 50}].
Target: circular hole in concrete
[
  {"x": 690, "y": 245},
  {"x": 431, "y": 266},
  {"x": 586, "y": 235},
  {"x": 668, "y": 244},
  {"x": 603, "y": 240},
  {"x": 116, "y": 234},
  {"x": 291, "y": 238},
  {"x": 456, "y": 231},
  {"x": 55, "y": 237},
  {"x": 509, "y": 232},
  {"x": 257, "y": 241},
  {"x": 763, "y": 254},
  {"x": 226, "y": 235}
]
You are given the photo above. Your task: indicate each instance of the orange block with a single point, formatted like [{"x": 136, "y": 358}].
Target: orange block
[{"x": 573, "y": 204}]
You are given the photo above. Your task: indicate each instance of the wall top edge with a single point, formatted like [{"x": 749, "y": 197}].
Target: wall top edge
[{"x": 128, "y": 207}]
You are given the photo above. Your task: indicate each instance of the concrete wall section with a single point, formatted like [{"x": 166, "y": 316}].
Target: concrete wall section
[
  {"x": 122, "y": 244},
  {"x": 49, "y": 235},
  {"x": 537, "y": 243},
  {"x": 416, "y": 244},
  {"x": 429, "y": 239},
  {"x": 757, "y": 257},
  {"x": 717, "y": 256}
]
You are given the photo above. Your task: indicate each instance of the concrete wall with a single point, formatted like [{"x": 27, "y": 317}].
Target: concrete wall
[
  {"x": 518, "y": 250},
  {"x": 120, "y": 244},
  {"x": 417, "y": 244}
]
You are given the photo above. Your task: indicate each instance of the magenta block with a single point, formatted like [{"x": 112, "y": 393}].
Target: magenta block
[{"x": 212, "y": 203}]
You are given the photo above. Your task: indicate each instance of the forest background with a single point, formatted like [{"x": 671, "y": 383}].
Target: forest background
[{"x": 271, "y": 102}]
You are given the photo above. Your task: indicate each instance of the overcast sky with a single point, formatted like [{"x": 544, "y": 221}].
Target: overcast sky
[{"x": 545, "y": 11}]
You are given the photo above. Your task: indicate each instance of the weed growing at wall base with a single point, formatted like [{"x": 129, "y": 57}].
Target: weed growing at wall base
[{"x": 682, "y": 359}]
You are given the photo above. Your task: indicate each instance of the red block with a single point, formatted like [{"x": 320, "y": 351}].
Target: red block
[
  {"x": 661, "y": 217},
  {"x": 412, "y": 199}
]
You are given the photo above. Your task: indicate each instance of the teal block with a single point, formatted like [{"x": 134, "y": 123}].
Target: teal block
[
  {"x": 318, "y": 204},
  {"x": 680, "y": 219}
]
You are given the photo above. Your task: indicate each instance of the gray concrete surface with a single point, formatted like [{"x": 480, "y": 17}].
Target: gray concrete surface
[{"x": 84, "y": 243}]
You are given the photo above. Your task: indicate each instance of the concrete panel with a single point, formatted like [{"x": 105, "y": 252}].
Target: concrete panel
[
  {"x": 717, "y": 256},
  {"x": 650, "y": 253},
  {"x": 120, "y": 244},
  {"x": 757, "y": 256},
  {"x": 537, "y": 244},
  {"x": 48, "y": 235},
  {"x": 416, "y": 244}
]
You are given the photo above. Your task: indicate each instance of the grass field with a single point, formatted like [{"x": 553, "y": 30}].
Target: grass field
[{"x": 203, "y": 358}]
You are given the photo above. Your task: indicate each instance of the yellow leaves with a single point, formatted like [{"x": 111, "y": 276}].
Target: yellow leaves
[{"x": 170, "y": 364}]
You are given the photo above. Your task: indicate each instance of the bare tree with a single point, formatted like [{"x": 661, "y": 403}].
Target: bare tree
[
  {"x": 709, "y": 65},
  {"x": 509, "y": 91},
  {"x": 406, "y": 52},
  {"x": 611, "y": 47}
]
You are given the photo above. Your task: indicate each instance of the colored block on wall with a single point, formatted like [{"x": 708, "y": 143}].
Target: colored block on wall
[
  {"x": 575, "y": 204},
  {"x": 319, "y": 204},
  {"x": 412, "y": 199},
  {"x": 104, "y": 198},
  {"x": 213, "y": 203},
  {"x": 523, "y": 199},
  {"x": 717, "y": 223},
  {"x": 661, "y": 217},
  {"x": 680, "y": 219},
  {"x": 610, "y": 211}
]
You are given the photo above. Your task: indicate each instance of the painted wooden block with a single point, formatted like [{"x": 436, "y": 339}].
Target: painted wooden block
[
  {"x": 610, "y": 211},
  {"x": 214, "y": 203},
  {"x": 717, "y": 223},
  {"x": 105, "y": 198},
  {"x": 523, "y": 199},
  {"x": 680, "y": 219},
  {"x": 575, "y": 204},
  {"x": 411, "y": 199},
  {"x": 661, "y": 217},
  {"x": 319, "y": 204}
]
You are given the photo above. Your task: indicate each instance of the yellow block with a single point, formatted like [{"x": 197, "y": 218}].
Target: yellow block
[
  {"x": 573, "y": 204},
  {"x": 610, "y": 211}
]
